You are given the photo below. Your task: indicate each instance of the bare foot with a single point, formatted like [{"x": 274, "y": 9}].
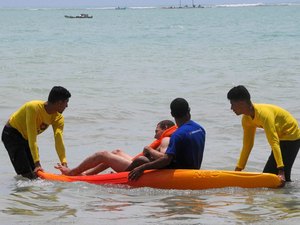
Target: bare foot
[{"x": 64, "y": 170}]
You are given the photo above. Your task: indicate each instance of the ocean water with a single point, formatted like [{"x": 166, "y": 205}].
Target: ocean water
[{"x": 123, "y": 68}]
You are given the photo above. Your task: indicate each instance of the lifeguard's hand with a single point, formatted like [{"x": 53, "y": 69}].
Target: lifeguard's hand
[
  {"x": 237, "y": 169},
  {"x": 282, "y": 177},
  {"x": 135, "y": 174},
  {"x": 38, "y": 168}
]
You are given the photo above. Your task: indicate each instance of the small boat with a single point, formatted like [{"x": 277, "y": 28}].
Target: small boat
[
  {"x": 81, "y": 16},
  {"x": 181, "y": 179},
  {"x": 120, "y": 8}
]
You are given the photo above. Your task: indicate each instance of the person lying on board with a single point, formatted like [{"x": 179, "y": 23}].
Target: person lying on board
[
  {"x": 120, "y": 161},
  {"x": 31, "y": 119},
  {"x": 281, "y": 128},
  {"x": 186, "y": 147}
]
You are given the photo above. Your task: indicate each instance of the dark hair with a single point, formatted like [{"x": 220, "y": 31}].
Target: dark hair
[
  {"x": 58, "y": 93},
  {"x": 165, "y": 124},
  {"x": 179, "y": 107},
  {"x": 239, "y": 93}
]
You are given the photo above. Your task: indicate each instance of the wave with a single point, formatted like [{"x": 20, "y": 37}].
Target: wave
[
  {"x": 241, "y": 5},
  {"x": 89, "y": 8},
  {"x": 257, "y": 4},
  {"x": 143, "y": 7}
]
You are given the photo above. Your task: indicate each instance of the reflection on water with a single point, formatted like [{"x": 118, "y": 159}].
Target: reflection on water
[
  {"x": 181, "y": 208},
  {"x": 68, "y": 202},
  {"x": 107, "y": 205},
  {"x": 36, "y": 198}
]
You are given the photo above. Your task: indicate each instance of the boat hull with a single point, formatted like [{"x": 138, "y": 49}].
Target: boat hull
[
  {"x": 178, "y": 179},
  {"x": 79, "y": 17}
]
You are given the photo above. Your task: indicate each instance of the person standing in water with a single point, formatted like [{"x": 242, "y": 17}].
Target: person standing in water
[
  {"x": 281, "y": 128},
  {"x": 34, "y": 117}
]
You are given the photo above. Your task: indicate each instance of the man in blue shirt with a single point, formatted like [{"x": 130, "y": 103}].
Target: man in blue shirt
[{"x": 186, "y": 147}]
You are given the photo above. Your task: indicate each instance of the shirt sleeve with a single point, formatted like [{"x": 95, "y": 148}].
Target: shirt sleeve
[
  {"x": 273, "y": 139},
  {"x": 248, "y": 141},
  {"x": 31, "y": 115},
  {"x": 58, "y": 126}
]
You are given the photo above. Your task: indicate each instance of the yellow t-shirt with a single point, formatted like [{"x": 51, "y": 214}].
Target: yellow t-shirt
[
  {"x": 279, "y": 125},
  {"x": 32, "y": 119}
]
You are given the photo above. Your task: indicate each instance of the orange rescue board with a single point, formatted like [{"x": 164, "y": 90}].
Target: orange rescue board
[{"x": 178, "y": 179}]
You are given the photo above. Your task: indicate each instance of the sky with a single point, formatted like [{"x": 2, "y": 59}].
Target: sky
[{"x": 128, "y": 3}]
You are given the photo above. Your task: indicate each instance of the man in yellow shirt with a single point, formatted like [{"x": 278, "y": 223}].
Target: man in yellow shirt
[
  {"x": 281, "y": 129},
  {"x": 20, "y": 132}
]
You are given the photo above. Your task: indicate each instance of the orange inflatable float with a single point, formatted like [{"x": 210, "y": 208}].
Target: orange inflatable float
[
  {"x": 178, "y": 179},
  {"x": 182, "y": 179}
]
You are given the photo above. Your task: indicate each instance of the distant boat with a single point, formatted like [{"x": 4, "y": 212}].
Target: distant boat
[
  {"x": 184, "y": 7},
  {"x": 120, "y": 8},
  {"x": 81, "y": 16}
]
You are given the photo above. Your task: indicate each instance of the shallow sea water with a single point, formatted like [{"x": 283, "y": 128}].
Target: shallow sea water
[{"x": 123, "y": 68}]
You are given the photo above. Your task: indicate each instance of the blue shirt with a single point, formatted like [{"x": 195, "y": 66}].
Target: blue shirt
[{"x": 187, "y": 146}]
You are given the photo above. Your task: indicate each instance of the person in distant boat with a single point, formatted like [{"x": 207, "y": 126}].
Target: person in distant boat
[
  {"x": 120, "y": 161},
  {"x": 20, "y": 132},
  {"x": 281, "y": 128},
  {"x": 186, "y": 147}
]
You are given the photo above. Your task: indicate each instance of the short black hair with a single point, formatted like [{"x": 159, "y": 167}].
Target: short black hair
[
  {"x": 58, "y": 93},
  {"x": 179, "y": 107},
  {"x": 239, "y": 93}
]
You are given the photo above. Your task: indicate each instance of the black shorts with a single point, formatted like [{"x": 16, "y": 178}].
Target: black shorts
[
  {"x": 18, "y": 151},
  {"x": 289, "y": 151}
]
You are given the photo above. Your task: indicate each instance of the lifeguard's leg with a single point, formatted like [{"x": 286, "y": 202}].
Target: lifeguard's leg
[
  {"x": 19, "y": 152},
  {"x": 271, "y": 166},
  {"x": 289, "y": 151}
]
